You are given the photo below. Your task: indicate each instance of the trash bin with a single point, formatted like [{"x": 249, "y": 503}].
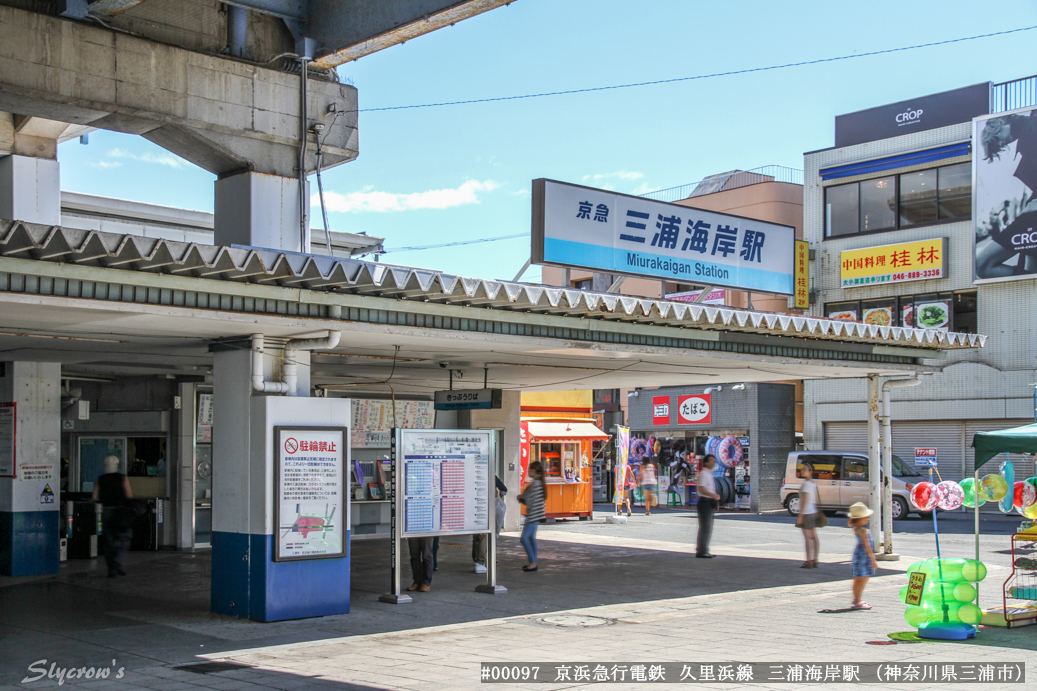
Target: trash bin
[{"x": 84, "y": 529}]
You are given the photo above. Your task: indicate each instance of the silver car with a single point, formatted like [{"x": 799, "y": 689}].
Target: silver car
[{"x": 842, "y": 480}]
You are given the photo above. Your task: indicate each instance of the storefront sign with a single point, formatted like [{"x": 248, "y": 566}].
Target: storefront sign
[
  {"x": 660, "y": 410},
  {"x": 469, "y": 399},
  {"x": 715, "y": 297},
  {"x": 444, "y": 481},
  {"x": 905, "y": 261},
  {"x": 1004, "y": 183},
  {"x": 8, "y": 418},
  {"x": 915, "y": 587},
  {"x": 595, "y": 229},
  {"x": 606, "y": 399},
  {"x": 802, "y": 274},
  {"x": 311, "y": 502},
  {"x": 695, "y": 410},
  {"x": 372, "y": 420},
  {"x": 916, "y": 115},
  {"x": 925, "y": 457}
]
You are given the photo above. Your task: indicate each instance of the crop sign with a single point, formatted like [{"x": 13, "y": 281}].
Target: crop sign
[
  {"x": 694, "y": 410},
  {"x": 595, "y": 229},
  {"x": 905, "y": 261}
]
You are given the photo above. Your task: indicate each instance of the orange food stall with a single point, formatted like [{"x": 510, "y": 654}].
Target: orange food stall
[{"x": 564, "y": 448}]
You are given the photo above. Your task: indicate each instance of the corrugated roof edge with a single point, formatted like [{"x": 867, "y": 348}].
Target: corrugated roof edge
[{"x": 317, "y": 272}]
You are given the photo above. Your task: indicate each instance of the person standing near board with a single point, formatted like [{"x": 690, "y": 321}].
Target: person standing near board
[
  {"x": 420, "y": 563},
  {"x": 706, "y": 505}
]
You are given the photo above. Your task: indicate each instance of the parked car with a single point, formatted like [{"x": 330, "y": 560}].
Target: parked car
[{"x": 842, "y": 480}]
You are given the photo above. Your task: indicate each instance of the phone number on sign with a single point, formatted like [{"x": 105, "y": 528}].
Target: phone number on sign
[{"x": 928, "y": 273}]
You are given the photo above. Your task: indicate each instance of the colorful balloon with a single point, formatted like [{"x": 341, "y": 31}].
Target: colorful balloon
[
  {"x": 1029, "y": 491},
  {"x": 992, "y": 488},
  {"x": 1008, "y": 473},
  {"x": 1017, "y": 494},
  {"x": 1030, "y": 512},
  {"x": 923, "y": 496},
  {"x": 968, "y": 486},
  {"x": 949, "y": 495}
]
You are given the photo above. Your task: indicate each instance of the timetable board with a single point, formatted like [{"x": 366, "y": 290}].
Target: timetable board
[{"x": 444, "y": 481}]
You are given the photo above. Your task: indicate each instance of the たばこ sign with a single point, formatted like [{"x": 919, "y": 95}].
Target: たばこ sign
[{"x": 694, "y": 410}]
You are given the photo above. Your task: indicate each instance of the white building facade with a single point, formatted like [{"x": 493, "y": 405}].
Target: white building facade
[{"x": 870, "y": 199}]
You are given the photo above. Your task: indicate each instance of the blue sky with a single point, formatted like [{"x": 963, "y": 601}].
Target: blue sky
[{"x": 435, "y": 175}]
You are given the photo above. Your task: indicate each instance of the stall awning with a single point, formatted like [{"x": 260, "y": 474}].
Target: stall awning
[
  {"x": 1015, "y": 440},
  {"x": 564, "y": 431}
]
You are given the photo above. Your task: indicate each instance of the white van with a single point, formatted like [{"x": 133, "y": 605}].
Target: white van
[{"x": 842, "y": 480}]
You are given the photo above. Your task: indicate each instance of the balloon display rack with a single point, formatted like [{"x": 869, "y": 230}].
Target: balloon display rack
[{"x": 1020, "y": 587}]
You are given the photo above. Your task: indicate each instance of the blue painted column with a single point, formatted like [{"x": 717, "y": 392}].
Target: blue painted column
[
  {"x": 246, "y": 581},
  {"x": 29, "y": 517}
]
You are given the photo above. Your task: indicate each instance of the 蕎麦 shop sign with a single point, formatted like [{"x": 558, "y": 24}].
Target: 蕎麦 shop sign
[
  {"x": 660, "y": 410},
  {"x": 695, "y": 410},
  {"x": 587, "y": 228},
  {"x": 905, "y": 261}
]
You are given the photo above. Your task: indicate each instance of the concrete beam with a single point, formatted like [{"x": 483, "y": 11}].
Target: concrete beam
[
  {"x": 221, "y": 114},
  {"x": 350, "y": 29}
]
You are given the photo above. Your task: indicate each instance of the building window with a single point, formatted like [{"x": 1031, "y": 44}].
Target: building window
[
  {"x": 583, "y": 284},
  {"x": 941, "y": 311},
  {"x": 901, "y": 201}
]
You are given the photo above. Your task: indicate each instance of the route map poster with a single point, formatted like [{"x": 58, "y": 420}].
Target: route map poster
[
  {"x": 311, "y": 495},
  {"x": 445, "y": 481}
]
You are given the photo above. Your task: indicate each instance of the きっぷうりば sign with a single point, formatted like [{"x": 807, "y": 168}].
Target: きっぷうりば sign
[
  {"x": 905, "y": 261},
  {"x": 583, "y": 227},
  {"x": 695, "y": 409}
]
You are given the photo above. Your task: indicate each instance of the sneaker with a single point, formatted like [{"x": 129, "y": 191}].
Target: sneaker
[{"x": 480, "y": 568}]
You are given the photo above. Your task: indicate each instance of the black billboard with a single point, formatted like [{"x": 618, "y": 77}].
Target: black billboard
[{"x": 915, "y": 115}]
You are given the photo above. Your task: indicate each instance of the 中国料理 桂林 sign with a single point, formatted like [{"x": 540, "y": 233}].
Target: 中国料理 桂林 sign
[
  {"x": 604, "y": 231},
  {"x": 905, "y": 261}
]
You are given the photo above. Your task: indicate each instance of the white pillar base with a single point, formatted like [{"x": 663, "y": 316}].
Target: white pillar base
[
  {"x": 30, "y": 190},
  {"x": 260, "y": 210}
]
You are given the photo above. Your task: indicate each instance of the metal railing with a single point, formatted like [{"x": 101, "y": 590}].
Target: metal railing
[
  {"x": 1018, "y": 93},
  {"x": 728, "y": 181}
]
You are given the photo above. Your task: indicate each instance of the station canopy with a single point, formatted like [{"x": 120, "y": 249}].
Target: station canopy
[{"x": 107, "y": 305}]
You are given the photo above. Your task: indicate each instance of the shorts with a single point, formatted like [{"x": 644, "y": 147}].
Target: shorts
[
  {"x": 809, "y": 521},
  {"x": 648, "y": 488}
]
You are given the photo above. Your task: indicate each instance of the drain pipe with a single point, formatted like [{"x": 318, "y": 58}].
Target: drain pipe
[
  {"x": 304, "y": 203},
  {"x": 887, "y": 465},
  {"x": 257, "y": 370},
  {"x": 291, "y": 368}
]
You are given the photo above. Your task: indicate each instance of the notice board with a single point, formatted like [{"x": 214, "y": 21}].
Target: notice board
[
  {"x": 311, "y": 492},
  {"x": 372, "y": 420},
  {"x": 443, "y": 481}
]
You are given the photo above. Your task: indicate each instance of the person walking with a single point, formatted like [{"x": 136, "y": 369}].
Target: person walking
[
  {"x": 112, "y": 492},
  {"x": 533, "y": 497},
  {"x": 809, "y": 516},
  {"x": 421, "y": 563},
  {"x": 706, "y": 506},
  {"x": 863, "y": 563},
  {"x": 648, "y": 485}
]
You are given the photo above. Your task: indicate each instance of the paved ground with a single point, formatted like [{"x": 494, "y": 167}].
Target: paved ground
[{"x": 616, "y": 593}]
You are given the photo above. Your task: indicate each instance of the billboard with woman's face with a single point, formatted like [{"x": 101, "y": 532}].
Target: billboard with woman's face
[{"x": 1004, "y": 196}]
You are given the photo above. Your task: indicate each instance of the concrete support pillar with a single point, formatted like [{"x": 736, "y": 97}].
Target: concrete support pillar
[
  {"x": 874, "y": 466},
  {"x": 507, "y": 417},
  {"x": 260, "y": 210},
  {"x": 30, "y": 190},
  {"x": 246, "y": 581},
  {"x": 29, "y": 518}
]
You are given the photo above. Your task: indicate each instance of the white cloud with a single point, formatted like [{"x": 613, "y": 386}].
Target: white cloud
[
  {"x": 618, "y": 175},
  {"x": 149, "y": 157},
  {"x": 372, "y": 200},
  {"x": 105, "y": 165}
]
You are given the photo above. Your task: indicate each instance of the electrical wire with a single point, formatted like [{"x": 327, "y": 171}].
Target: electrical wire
[
  {"x": 713, "y": 75},
  {"x": 455, "y": 244}
]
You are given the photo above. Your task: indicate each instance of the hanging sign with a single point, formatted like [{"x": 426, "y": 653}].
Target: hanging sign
[
  {"x": 311, "y": 501},
  {"x": 8, "y": 419},
  {"x": 660, "y": 410},
  {"x": 599, "y": 230},
  {"x": 469, "y": 399},
  {"x": 915, "y": 587},
  {"x": 802, "y": 274},
  {"x": 695, "y": 410}
]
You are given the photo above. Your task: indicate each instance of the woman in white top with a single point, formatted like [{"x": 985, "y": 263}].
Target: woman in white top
[{"x": 808, "y": 516}]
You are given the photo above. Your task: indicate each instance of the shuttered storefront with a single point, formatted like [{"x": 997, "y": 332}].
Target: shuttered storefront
[{"x": 946, "y": 436}]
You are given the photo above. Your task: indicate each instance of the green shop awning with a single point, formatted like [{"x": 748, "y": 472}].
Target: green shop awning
[{"x": 1015, "y": 440}]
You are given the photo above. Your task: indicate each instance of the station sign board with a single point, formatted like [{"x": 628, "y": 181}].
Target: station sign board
[
  {"x": 469, "y": 399},
  {"x": 925, "y": 457},
  {"x": 595, "y": 229}
]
